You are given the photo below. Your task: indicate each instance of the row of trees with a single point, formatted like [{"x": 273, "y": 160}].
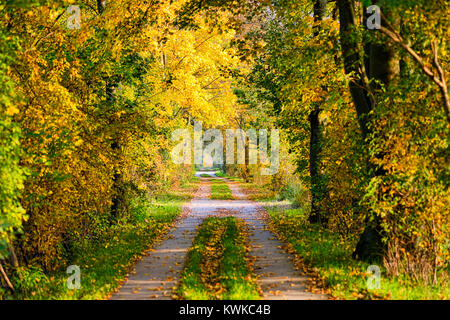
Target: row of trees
[
  {"x": 86, "y": 115},
  {"x": 366, "y": 113},
  {"x": 87, "y": 107}
]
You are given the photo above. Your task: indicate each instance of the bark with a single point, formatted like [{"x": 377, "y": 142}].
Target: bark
[
  {"x": 5, "y": 277},
  {"x": 317, "y": 189},
  {"x": 384, "y": 59},
  {"x": 358, "y": 84},
  {"x": 363, "y": 100},
  {"x": 437, "y": 75},
  {"x": 119, "y": 197},
  {"x": 101, "y": 6},
  {"x": 12, "y": 256},
  {"x": 314, "y": 165},
  {"x": 119, "y": 204},
  {"x": 14, "y": 263},
  {"x": 383, "y": 64}
]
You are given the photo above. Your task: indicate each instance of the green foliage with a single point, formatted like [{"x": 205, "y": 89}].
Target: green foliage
[
  {"x": 396, "y": 175},
  {"x": 86, "y": 117},
  {"x": 328, "y": 256},
  {"x": 221, "y": 174},
  {"x": 12, "y": 175},
  {"x": 106, "y": 259}
]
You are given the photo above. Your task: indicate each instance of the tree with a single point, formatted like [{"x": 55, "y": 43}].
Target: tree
[{"x": 315, "y": 146}]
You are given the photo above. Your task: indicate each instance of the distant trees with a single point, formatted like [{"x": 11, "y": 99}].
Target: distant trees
[{"x": 367, "y": 166}]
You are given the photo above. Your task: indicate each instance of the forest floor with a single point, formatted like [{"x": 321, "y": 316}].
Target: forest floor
[{"x": 158, "y": 274}]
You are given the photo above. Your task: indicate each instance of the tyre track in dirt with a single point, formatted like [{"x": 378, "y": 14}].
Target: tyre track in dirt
[
  {"x": 155, "y": 275},
  {"x": 277, "y": 276},
  {"x": 158, "y": 272}
]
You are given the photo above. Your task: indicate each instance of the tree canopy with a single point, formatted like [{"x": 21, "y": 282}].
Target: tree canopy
[{"x": 88, "y": 104}]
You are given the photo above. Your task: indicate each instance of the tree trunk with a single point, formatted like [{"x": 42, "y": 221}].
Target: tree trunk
[
  {"x": 359, "y": 84},
  {"x": 101, "y": 6},
  {"x": 314, "y": 166},
  {"x": 12, "y": 256},
  {"x": 118, "y": 201},
  {"x": 119, "y": 194},
  {"x": 5, "y": 277},
  {"x": 383, "y": 66},
  {"x": 315, "y": 146},
  {"x": 384, "y": 60}
]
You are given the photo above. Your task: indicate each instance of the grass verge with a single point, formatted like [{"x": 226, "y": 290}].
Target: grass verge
[
  {"x": 328, "y": 257},
  {"x": 220, "y": 190},
  {"x": 217, "y": 267},
  {"x": 220, "y": 173},
  {"x": 257, "y": 192}
]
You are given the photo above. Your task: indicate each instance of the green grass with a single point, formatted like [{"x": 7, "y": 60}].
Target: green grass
[
  {"x": 235, "y": 273},
  {"x": 220, "y": 190},
  {"x": 216, "y": 266},
  {"x": 329, "y": 256},
  {"x": 222, "y": 174},
  {"x": 105, "y": 262},
  {"x": 192, "y": 286},
  {"x": 257, "y": 192},
  {"x": 235, "y": 179}
]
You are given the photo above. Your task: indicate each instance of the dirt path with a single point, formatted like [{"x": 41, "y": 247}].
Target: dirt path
[
  {"x": 278, "y": 278},
  {"x": 156, "y": 274}
]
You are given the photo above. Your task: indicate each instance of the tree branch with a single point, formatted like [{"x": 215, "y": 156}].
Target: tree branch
[
  {"x": 444, "y": 89},
  {"x": 439, "y": 79},
  {"x": 5, "y": 276}
]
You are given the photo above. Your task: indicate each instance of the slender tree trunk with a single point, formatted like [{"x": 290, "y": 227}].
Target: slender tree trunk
[
  {"x": 315, "y": 145},
  {"x": 101, "y": 6},
  {"x": 12, "y": 256},
  {"x": 383, "y": 65},
  {"x": 5, "y": 277},
  {"x": 360, "y": 91},
  {"x": 362, "y": 97},
  {"x": 384, "y": 59},
  {"x": 118, "y": 200},
  {"x": 314, "y": 165},
  {"x": 119, "y": 204},
  {"x": 358, "y": 84}
]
